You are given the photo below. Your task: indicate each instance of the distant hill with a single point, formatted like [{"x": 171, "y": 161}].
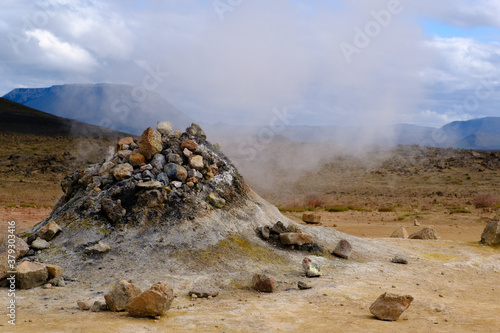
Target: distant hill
[
  {"x": 482, "y": 133},
  {"x": 19, "y": 119},
  {"x": 115, "y": 106}
]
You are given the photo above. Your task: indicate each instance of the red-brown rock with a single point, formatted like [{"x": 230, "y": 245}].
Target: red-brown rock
[
  {"x": 153, "y": 302},
  {"x": 390, "y": 306},
  {"x": 264, "y": 283},
  {"x": 189, "y": 144},
  {"x": 137, "y": 159}
]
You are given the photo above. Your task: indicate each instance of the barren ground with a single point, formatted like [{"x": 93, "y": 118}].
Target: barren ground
[{"x": 455, "y": 281}]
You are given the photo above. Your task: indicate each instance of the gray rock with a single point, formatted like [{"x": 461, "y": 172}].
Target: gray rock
[
  {"x": 175, "y": 172},
  {"x": 164, "y": 127},
  {"x": 278, "y": 228},
  {"x": 264, "y": 232},
  {"x": 58, "y": 281},
  {"x": 390, "y": 306},
  {"x": 146, "y": 167},
  {"x": 400, "y": 233},
  {"x": 162, "y": 177},
  {"x": 159, "y": 161},
  {"x": 343, "y": 249},
  {"x": 295, "y": 238},
  {"x": 148, "y": 175},
  {"x": 303, "y": 285},
  {"x": 195, "y": 130},
  {"x": 40, "y": 244},
  {"x": 399, "y": 260},
  {"x": 491, "y": 233},
  {"x": 98, "y": 306},
  {"x": 194, "y": 174},
  {"x": 174, "y": 158}
]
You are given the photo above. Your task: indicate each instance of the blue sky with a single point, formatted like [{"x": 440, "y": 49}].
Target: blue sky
[{"x": 332, "y": 62}]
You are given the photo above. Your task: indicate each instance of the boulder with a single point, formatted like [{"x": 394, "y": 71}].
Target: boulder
[
  {"x": 54, "y": 271},
  {"x": 153, "y": 302},
  {"x": 343, "y": 249},
  {"x": 118, "y": 297},
  {"x": 40, "y": 244},
  {"x": 311, "y": 218},
  {"x": 164, "y": 127},
  {"x": 425, "y": 233},
  {"x": 49, "y": 231},
  {"x": 390, "y": 306},
  {"x": 400, "y": 232},
  {"x": 263, "y": 283},
  {"x": 122, "y": 171},
  {"x": 491, "y": 233},
  {"x": 295, "y": 238},
  {"x": 312, "y": 269},
  {"x": 30, "y": 275},
  {"x": 150, "y": 143}
]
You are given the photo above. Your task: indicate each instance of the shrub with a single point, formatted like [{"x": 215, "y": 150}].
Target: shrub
[
  {"x": 486, "y": 200},
  {"x": 386, "y": 209},
  {"x": 314, "y": 200}
]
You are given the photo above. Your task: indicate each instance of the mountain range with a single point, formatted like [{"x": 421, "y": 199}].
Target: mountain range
[{"x": 128, "y": 109}]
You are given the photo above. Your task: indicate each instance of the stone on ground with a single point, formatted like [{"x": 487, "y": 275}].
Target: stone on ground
[
  {"x": 343, "y": 249},
  {"x": 425, "y": 233},
  {"x": 53, "y": 271},
  {"x": 400, "y": 232},
  {"x": 203, "y": 293},
  {"x": 118, "y": 297},
  {"x": 303, "y": 285},
  {"x": 294, "y": 238},
  {"x": 113, "y": 210},
  {"x": 153, "y": 302},
  {"x": 399, "y": 260},
  {"x": 312, "y": 269},
  {"x": 97, "y": 248},
  {"x": 311, "y": 218},
  {"x": 263, "y": 283},
  {"x": 40, "y": 244},
  {"x": 83, "y": 306},
  {"x": 49, "y": 231},
  {"x": 390, "y": 306},
  {"x": 30, "y": 275},
  {"x": 491, "y": 234}
]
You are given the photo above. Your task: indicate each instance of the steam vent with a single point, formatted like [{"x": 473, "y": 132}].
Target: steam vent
[{"x": 168, "y": 206}]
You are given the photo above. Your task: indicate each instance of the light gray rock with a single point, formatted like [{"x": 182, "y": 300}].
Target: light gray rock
[
  {"x": 491, "y": 233},
  {"x": 40, "y": 244}
]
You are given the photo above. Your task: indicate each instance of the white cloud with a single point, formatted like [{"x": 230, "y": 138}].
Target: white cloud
[{"x": 62, "y": 55}]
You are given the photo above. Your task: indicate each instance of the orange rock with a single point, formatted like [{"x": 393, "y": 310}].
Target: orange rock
[{"x": 150, "y": 143}]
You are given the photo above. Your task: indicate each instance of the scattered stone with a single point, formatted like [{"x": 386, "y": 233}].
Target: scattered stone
[
  {"x": 83, "y": 306},
  {"x": 343, "y": 249},
  {"x": 214, "y": 169},
  {"x": 195, "y": 130},
  {"x": 150, "y": 143},
  {"x": 106, "y": 168},
  {"x": 118, "y": 297},
  {"x": 40, "y": 244},
  {"x": 278, "y": 228},
  {"x": 313, "y": 248},
  {"x": 162, "y": 177},
  {"x": 158, "y": 162},
  {"x": 303, "y": 285},
  {"x": 263, "y": 283},
  {"x": 47, "y": 286},
  {"x": 58, "y": 281},
  {"x": 312, "y": 269},
  {"x": 122, "y": 171},
  {"x": 188, "y": 153},
  {"x": 491, "y": 233},
  {"x": 390, "y": 307},
  {"x": 137, "y": 159},
  {"x": 399, "y": 260},
  {"x": 311, "y": 218},
  {"x": 264, "y": 232},
  {"x": 49, "y": 231},
  {"x": 215, "y": 200},
  {"x": 294, "y": 238},
  {"x": 400, "y": 232},
  {"x": 126, "y": 141},
  {"x": 174, "y": 158},
  {"x": 152, "y": 184},
  {"x": 175, "y": 171},
  {"x": 53, "y": 271},
  {"x": 164, "y": 127},
  {"x": 97, "y": 248},
  {"x": 151, "y": 303},
  {"x": 30, "y": 275},
  {"x": 125, "y": 154},
  {"x": 196, "y": 162},
  {"x": 203, "y": 294},
  {"x": 177, "y": 184},
  {"x": 113, "y": 210},
  {"x": 98, "y": 306},
  {"x": 425, "y": 233},
  {"x": 416, "y": 223},
  {"x": 189, "y": 144}
]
